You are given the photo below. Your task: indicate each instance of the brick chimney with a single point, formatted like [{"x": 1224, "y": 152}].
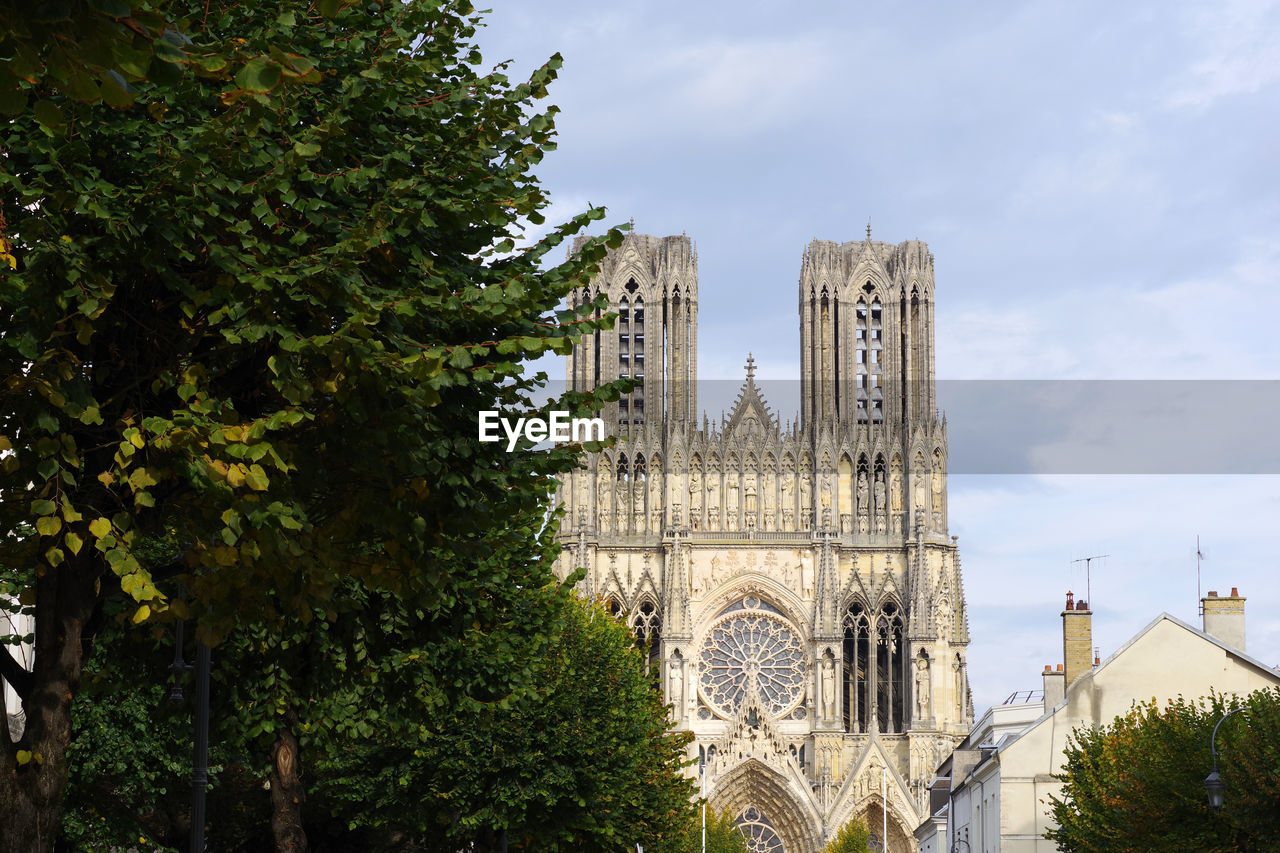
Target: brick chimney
[
  {"x": 1055, "y": 688},
  {"x": 1224, "y": 617},
  {"x": 1077, "y": 639}
]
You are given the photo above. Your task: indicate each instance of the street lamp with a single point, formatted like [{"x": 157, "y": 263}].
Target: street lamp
[{"x": 1213, "y": 784}]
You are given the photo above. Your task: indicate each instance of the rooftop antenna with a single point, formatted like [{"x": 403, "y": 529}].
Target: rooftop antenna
[
  {"x": 1199, "y": 559},
  {"x": 1088, "y": 575}
]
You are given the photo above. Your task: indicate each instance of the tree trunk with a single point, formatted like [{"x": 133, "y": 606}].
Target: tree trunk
[
  {"x": 287, "y": 794},
  {"x": 31, "y": 791}
]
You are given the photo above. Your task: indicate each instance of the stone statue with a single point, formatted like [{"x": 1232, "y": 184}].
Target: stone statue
[
  {"x": 862, "y": 492},
  {"x": 880, "y": 504},
  {"x": 922, "y": 688},
  {"x": 677, "y": 690},
  {"x": 944, "y": 620},
  {"x": 828, "y": 688},
  {"x": 895, "y": 490}
]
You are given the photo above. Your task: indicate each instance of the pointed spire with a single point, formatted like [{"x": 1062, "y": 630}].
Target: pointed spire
[
  {"x": 751, "y": 368},
  {"x": 868, "y": 229}
]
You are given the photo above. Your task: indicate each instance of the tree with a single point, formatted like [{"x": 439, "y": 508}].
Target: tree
[
  {"x": 853, "y": 837},
  {"x": 584, "y": 763},
  {"x": 1138, "y": 784},
  {"x": 723, "y": 835},
  {"x": 257, "y": 323}
]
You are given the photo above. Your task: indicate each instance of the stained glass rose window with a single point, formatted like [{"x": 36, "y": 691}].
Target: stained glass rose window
[{"x": 747, "y": 645}]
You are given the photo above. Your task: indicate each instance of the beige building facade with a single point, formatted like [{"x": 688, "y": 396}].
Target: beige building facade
[
  {"x": 797, "y": 582},
  {"x": 996, "y": 788}
]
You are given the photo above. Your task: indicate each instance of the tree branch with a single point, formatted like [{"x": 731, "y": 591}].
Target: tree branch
[{"x": 16, "y": 674}]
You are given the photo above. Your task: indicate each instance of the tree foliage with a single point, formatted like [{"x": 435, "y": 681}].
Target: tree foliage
[
  {"x": 95, "y": 51},
  {"x": 723, "y": 835},
  {"x": 583, "y": 763},
  {"x": 256, "y": 322},
  {"x": 853, "y": 837},
  {"x": 1138, "y": 784}
]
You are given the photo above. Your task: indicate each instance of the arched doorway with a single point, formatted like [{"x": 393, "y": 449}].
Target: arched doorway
[
  {"x": 770, "y": 813},
  {"x": 899, "y": 840}
]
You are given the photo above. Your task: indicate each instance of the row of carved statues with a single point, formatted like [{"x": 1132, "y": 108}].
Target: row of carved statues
[{"x": 868, "y": 503}]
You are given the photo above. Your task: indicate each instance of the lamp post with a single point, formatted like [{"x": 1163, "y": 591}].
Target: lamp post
[
  {"x": 1213, "y": 785},
  {"x": 200, "y": 753}
]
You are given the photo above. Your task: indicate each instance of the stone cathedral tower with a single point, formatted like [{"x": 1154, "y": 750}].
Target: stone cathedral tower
[{"x": 797, "y": 583}]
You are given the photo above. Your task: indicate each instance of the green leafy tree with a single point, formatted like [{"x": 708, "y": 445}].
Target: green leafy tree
[
  {"x": 584, "y": 763},
  {"x": 723, "y": 835},
  {"x": 853, "y": 837},
  {"x": 1138, "y": 784},
  {"x": 257, "y": 323}
]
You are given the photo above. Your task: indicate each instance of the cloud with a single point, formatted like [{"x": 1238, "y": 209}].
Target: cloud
[{"x": 1241, "y": 52}]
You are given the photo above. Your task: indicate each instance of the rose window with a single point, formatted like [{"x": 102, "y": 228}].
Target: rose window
[{"x": 744, "y": 647}]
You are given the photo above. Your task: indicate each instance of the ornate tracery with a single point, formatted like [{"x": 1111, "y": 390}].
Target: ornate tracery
[
  {"x": 751, "y": 646},
  {"x": 874, "y": 668},
  {"x": 758, "y": 830}
]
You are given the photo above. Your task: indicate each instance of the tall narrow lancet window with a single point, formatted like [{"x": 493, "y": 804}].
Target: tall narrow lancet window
[
  {"x": 857, "y": 668},
  {"x": 869, "y": 355},
  {"x": 646, "y": 624},
  {"x": 890, "y": 669},
  {"x": 874, "y": 669},
  {"x": 637, "y": 359}
]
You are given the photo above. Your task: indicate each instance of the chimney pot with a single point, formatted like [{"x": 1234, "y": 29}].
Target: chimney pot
[
  {"x": 1213, "y": 593},
  {"x": 1059, "y": 667},
  {"x": 1082, "y": 605},
  {"x": 1235, "y": 592},
  {"x": 1071, "y": 600}
]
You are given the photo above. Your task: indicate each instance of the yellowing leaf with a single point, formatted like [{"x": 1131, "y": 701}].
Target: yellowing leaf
[
  {"x": 141, "y": 614},
  {"x": 24, "y": 757},
  {"x": 100, "y": 527},
  {"x": 74, "y": 542},
  {"x": 256, "y": 477},
  {"x": 48, "y": 525},
  {"x": 235, "y": 476}
]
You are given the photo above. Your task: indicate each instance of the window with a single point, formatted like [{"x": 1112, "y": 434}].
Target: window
[
  {"x": 875, "y": 669},
  {"x": 646, "y": 623},
  {"x": 757, "y": 645}
]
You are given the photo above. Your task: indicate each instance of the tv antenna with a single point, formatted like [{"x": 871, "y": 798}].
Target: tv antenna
[
  {"x": 1088, "y": 575},
  {"x": 1200, "y": 557}
]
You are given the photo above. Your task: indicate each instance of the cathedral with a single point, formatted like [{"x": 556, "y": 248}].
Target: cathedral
[{"x": 794, "y": 582}]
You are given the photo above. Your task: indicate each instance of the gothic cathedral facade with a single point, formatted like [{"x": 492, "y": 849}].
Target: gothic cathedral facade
[{"x": 795, "y": 583}]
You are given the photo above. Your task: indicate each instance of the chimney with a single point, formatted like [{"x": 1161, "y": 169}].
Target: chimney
[
  {"x": 1077, "y": 639},
  {"x": 1055, "y": 687},
  {"x": 1224, "y": 617}
]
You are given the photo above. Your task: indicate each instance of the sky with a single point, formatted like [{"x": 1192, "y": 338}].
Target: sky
[{"x": 1098, "y": 184}]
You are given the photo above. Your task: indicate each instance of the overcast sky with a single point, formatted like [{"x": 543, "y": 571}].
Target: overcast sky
[{"x": 1098, "y": 185}]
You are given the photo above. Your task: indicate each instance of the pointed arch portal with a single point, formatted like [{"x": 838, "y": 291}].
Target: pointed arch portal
[{"x": 767, "y": 811}]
